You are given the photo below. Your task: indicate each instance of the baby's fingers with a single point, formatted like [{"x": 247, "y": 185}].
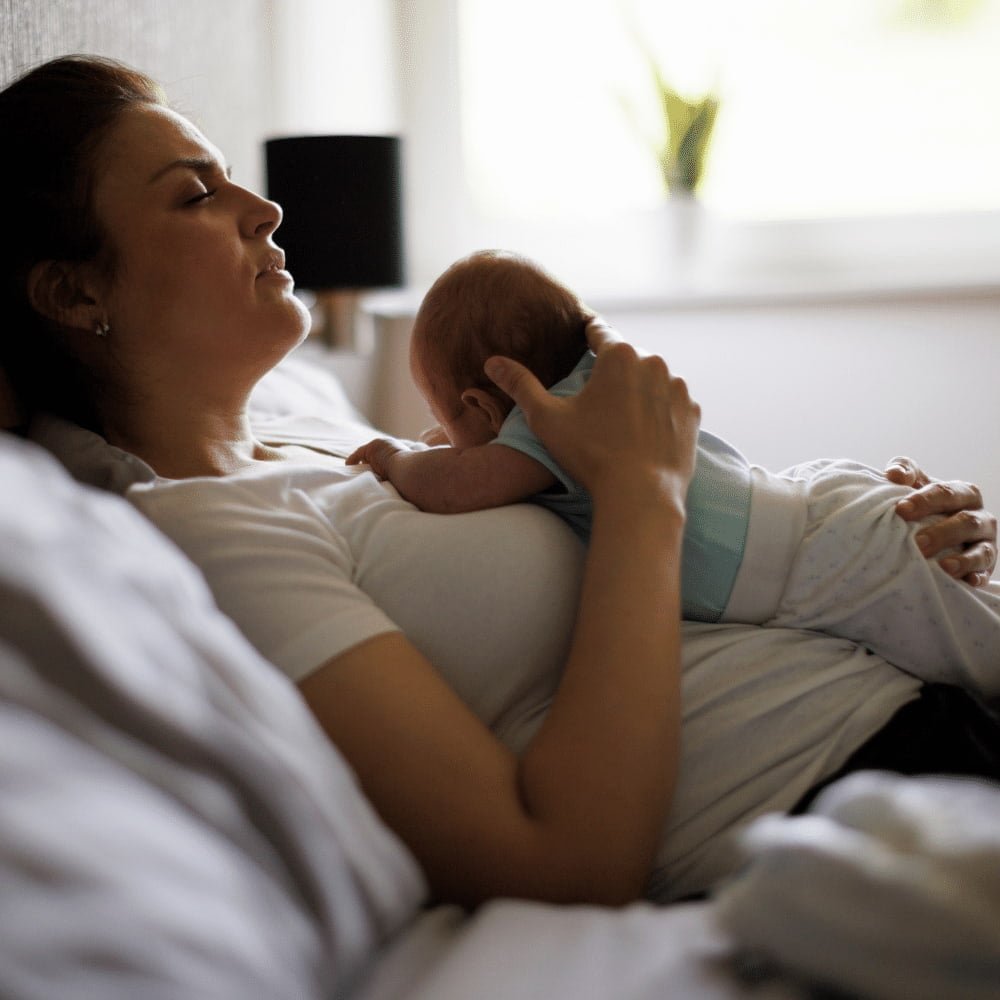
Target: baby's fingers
[{"x": 375, "y": 453}]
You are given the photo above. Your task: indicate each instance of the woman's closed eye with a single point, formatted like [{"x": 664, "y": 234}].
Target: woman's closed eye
[{"x": 201, "y": 196}]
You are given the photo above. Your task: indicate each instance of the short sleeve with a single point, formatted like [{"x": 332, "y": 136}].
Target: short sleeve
[
  {"x": 280, "y": 571},
  {"x": 516, "y": 434}
]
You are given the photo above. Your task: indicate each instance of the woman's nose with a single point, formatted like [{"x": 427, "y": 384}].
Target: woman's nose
[{"x": 263, "y": 217}]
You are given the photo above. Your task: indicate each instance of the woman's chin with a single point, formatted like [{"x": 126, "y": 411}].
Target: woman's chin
[
  {"x": 304, "y": 320},
  {"x": 295, "y": 322}
]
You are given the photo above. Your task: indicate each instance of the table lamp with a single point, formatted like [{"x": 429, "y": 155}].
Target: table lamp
[{"x": 342, "y": 231}]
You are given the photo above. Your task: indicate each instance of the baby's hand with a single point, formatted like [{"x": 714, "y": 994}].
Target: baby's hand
[
  {"x": 434, "y": 436},
  {"x": 377, "y": 454}
]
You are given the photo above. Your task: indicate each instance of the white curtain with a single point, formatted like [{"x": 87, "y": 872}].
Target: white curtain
[{"x": 333, "y": 67}]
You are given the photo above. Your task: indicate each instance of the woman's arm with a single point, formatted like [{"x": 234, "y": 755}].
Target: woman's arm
[
  {"x": 966, "y": 528},
  {"x": 578, "y": 815}
]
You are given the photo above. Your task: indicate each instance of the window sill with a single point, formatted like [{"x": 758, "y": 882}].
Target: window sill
[
  {"x": 635, "y": 263},
  {"x": 708, "y": 292}
]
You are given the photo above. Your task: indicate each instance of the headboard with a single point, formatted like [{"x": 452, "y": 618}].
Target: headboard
[{"x": 212, "y": 57}]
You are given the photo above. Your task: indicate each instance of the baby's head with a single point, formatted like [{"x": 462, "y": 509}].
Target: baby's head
[{"x": 491, "y": 302}]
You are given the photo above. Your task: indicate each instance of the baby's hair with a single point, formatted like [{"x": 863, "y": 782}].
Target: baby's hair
[{"x": 497, "y": 302}]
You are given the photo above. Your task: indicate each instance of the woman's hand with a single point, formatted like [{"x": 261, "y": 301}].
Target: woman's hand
[
  {"x": 612, "y": 735},
  {"x": 632, "y": 419},
  {"x": 966, "y": 526},
  {"x": 578, "y": 814}
]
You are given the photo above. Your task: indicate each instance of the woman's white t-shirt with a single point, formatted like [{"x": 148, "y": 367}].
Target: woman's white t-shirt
[{"x": 310, "y": 558}]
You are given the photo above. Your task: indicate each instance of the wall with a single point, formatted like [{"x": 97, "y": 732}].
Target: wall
[
  {"x": 212, "y": 56},
  {"x": 867, "y": 378},
  {"x": 335, "y": 67}
]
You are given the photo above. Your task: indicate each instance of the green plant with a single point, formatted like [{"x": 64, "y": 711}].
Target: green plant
[
  {"x": 684, "y": 131},
  {"x": 688, "y": 124}
]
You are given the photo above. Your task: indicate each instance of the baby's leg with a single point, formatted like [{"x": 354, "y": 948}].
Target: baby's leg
[{"x": 858, "y": 574}]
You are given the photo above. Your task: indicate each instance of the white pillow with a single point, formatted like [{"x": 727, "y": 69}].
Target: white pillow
[
  {"x": 298, "y": 402},
  {"x": 173, "y": 822},
  {"x": 303, "y": 384}
]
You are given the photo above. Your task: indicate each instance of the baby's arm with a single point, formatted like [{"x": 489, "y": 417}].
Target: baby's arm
[{"x": 451, "y": 481}]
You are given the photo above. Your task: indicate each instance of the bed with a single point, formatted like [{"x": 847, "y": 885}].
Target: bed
[{"x": 173, "y": 824}]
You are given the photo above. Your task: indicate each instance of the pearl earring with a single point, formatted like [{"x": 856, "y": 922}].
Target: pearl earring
[{"x": 102, "y": 329}]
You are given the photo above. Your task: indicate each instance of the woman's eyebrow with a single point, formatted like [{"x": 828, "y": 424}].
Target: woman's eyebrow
[{"x": 200, "y": 164}]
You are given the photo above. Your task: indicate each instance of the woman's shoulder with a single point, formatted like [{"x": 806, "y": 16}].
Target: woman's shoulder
[{"x": 303, "y": 488}]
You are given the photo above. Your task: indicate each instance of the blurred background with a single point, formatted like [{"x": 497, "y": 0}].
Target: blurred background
[
  {"x": 797, "y": 203},
  {"x": 848, "y": 132}
]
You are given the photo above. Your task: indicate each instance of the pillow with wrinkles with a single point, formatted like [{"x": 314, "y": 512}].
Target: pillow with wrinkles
[{"x": 174, "y": 823}]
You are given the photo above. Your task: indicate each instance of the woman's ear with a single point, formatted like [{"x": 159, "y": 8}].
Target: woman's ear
[
  {"x": 65, "y": 293},
  {"x": 486, "y": 406}
]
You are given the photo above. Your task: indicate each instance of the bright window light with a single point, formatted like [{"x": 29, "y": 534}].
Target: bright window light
[{"x": 829, "y": 107}]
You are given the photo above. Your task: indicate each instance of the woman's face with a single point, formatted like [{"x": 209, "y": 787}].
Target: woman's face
[{"x": 200, "y": 293}]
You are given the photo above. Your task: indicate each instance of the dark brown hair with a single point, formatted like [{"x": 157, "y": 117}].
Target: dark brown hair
[
  {"x": 52, "y": 120},
  {"x": 496, "y": 302}
]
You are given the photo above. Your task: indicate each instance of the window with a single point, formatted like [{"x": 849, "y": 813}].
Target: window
[
  {"x": 857, "y": 140},
  {"x": 829, "y": 108}
]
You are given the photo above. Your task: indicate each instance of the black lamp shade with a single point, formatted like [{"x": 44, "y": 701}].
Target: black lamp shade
[{"x": 342, "y": 201}]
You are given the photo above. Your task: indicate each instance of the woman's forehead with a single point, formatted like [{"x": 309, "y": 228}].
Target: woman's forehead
[{"x": 147, "y": 140}]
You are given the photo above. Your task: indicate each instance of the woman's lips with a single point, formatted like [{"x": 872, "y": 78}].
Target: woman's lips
[{"x": 274, "y": 274}]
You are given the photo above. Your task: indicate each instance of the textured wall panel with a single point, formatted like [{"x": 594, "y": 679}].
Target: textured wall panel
[{"x": 212, "y": 56}]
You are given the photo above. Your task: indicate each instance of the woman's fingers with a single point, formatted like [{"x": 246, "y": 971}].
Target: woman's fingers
[
  {"x": 631, "y": 415},
  {"x": 974, "y": 565},
  {"x": 905, "y": 472},
  {"x": 600, "y": 335},
  {"x": 519, "y": 383},
  {"x": 940, "y": 498},
  {"x": 967, "y": 533},
  {"x": 970, "y": 540}
]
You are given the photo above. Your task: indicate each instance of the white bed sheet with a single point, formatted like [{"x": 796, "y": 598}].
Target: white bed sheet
[{"x": 512, "y": 949}]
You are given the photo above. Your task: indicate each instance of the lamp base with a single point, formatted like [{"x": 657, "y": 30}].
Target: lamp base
[{"x": 337, "y": 320}]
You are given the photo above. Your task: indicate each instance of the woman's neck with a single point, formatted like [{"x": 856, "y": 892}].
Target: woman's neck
[{"x": 182, "y": 442}]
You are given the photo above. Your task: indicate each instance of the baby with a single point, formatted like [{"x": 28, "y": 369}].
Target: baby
[{"x": 818, "y": 546}]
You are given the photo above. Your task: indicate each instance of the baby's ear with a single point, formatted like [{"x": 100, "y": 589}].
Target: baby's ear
[{"x": 486, "y": 406}]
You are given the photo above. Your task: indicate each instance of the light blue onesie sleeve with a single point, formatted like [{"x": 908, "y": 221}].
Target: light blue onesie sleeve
[
  {"x": 567, "y": 499},
  {"x": 718, "y": 505}
]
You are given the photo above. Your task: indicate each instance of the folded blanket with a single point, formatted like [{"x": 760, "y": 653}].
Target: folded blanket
[{"x": 890, "y": 888}]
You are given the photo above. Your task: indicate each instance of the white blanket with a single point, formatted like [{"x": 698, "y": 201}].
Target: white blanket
[
  {"x": 512, "y": 950},
  {"x": 890, "y": 888}
]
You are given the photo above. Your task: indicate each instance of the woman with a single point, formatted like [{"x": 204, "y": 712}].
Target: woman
[{"x": 148, "y": 300}]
